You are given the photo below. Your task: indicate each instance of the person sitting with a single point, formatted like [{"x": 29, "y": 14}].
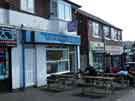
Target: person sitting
[
  {"x": 90, "y": 70},
  {"x": 122, "y": 72},
  {"x": 127, "y": 74}
]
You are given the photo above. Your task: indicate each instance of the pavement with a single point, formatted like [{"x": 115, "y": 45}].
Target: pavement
[{"x": 40, "y": 94}]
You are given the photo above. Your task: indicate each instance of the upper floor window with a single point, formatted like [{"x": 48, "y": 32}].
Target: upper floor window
[
  {"x": 27, "y": 5},
  {"x": 64, "y": 11},
  {"x": 113, "y": 34},
  {"x": 106, "y": 32},
  {"x": 95, "y": 29},
  {"x": 119, "y": 35}
]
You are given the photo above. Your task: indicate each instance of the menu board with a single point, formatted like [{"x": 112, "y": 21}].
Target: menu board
[{"x": 3, "y": 63}]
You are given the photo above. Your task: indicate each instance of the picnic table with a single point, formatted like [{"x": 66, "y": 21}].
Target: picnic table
[
  {"x": 123, "y": 80},
  {"x": 100, "y": 82},
  {"x": 62, "y": 81}
]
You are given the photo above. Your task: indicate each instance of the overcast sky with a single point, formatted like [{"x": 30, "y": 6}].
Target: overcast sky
[{"x": 120, "y": 13}]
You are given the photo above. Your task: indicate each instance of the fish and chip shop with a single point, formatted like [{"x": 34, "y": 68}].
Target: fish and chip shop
[{"x": 40, "y": 54}]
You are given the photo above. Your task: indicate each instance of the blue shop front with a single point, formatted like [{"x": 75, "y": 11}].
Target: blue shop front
[{"x": 48, "y": 53}]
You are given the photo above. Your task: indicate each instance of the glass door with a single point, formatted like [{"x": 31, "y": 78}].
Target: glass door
[{"x": 73, "y": 59}]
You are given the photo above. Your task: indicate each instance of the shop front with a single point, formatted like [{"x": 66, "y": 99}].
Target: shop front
[
  {"x": 7, "y": 41},
  {"x": 52, "y": 54},
  {"x": 98, "y": 55},
  {"x": 115, "y": 55}
]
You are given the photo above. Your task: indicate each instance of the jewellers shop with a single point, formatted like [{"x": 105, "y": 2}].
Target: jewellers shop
[{"x": 48, "y": 53}]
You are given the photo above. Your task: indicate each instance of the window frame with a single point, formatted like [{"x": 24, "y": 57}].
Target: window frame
[
  {"x": 114, "y": 34},
  {"x": 58, "y": 61},
  {"x": 106, "y": 33},
  {"x": 69, "y": 18},
  {"x": 25, "y": 6},
  {"x": 119, "y": 35},
  {"x": 96, "y": 33}
]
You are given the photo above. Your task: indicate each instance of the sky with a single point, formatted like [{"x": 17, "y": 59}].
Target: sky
[{"x": 120, "y": 13}]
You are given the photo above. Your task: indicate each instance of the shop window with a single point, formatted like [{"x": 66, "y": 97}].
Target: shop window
[
  {"x": 3, "y": 64},
  {"x": 27, "y": 5},
  {"x": 57, "y": 60}
]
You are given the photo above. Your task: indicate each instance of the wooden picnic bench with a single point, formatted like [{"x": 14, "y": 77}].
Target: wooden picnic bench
[
  {"x": 62, "y": 81},
  {"x": 123, "y": 80},
  {"x": 99, "y": 82}
]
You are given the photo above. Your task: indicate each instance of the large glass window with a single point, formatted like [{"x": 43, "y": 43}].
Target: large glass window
[
  {"x": 106, "y": 31},
  {"x": 57, "y": 60},
  {"x": 95, "y": 29},
  {"x": 64, "y": 11},
  {"x": 27, "y": 5}
]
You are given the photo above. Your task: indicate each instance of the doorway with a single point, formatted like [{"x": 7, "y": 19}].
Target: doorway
[{"x": 30, "y": 69}]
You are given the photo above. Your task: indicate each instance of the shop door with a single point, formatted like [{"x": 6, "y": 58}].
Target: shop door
[
  {"x": 29, "y": 67},
  {"x": 5, "y": 78},
  {"x": 73, "y": 59}
]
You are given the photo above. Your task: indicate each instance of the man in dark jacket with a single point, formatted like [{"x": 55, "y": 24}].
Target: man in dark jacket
[{"x": 90, "y": 70}]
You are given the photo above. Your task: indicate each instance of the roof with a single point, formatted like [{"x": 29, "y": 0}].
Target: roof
[
  {"x": 73, "y": 3},
  {"x": 93, "y": 17}
]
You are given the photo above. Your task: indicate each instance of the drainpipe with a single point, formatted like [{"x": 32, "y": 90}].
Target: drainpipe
[
  {"x": 78, "y": 56},
  {"x": 23, "y": 60}
]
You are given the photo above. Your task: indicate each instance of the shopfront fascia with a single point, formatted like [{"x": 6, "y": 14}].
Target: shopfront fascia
[
  {"x": 62, "y": 52},
  {"x": 114, "y": 50},
  {"x": 7, "y": 41}
]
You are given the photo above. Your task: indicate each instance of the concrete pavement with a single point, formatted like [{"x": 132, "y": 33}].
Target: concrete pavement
[{"x": 38, "y": 94}]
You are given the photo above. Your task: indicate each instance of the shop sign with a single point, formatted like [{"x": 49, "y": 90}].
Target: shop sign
[
  {"x": 97, "y": 45},
  {"x": 7, "y": 36},
  {"x": 72, "y": 26},
  {"x": 44, "y": 37},
  {"x": 114, "y": 50}
]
